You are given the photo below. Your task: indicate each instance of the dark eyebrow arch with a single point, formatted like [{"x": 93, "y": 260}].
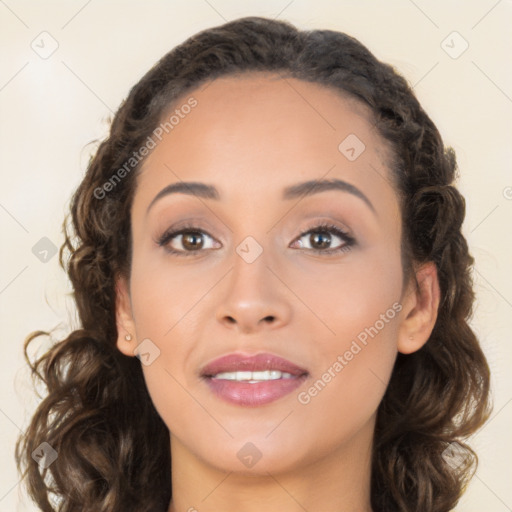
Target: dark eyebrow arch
[
  {"x": 192, "y": 188},
  {"x": 306, "y": 188}
]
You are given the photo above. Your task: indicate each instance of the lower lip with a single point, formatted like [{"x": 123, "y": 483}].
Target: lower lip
[{"x": 256, "y": 394}]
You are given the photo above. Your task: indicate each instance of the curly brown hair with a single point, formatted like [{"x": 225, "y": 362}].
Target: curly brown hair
[{"x": 113, "y": 447}]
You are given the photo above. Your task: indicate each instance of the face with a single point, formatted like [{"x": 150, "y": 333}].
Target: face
[{"x": 259, "y": 263}]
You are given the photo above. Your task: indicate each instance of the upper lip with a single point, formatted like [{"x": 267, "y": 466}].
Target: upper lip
[{"x": 251, "y": 363}]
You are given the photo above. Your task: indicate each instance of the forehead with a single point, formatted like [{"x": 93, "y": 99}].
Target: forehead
[{"x": 260, "y": 131}]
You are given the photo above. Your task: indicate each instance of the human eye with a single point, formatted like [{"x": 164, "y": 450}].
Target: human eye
[
  {"x": 319, "y": 239},
  {"x": 188, "y": 240}
]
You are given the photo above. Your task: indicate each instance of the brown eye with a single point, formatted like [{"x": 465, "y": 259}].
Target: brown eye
[
  {"x": 187, "y": 241},
  {"x": 320, "y": 240},
  {"x": 192, "y": 240}
]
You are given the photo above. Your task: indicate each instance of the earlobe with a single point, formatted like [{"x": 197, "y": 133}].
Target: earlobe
[
  {"x": 420, "y": 310},
  {"x": 126, "y": 341}
]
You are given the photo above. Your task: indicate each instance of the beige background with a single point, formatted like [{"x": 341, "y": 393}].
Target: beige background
[{"x": 51, "y": 108}]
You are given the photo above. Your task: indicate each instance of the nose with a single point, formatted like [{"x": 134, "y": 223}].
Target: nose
[{"x": 255, "y": 299}]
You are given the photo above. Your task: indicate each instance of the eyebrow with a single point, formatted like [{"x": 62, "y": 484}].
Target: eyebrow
[{"x": 306, "y": 188}]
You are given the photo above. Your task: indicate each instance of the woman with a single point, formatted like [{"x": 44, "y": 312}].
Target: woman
[{"x": 274, "y": 290}]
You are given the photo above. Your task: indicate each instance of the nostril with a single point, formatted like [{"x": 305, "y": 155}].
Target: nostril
[{"x": 269, "y": 318}]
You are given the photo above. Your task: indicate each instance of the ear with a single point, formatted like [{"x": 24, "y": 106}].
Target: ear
[
  {"x": 124, "y": 319},
  {"x": 420, "y": 307}
]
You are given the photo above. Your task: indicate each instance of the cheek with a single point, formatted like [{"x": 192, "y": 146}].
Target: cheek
[
  {"x": 167, "y": 306},
  {"x": 358, "y": 305},
  {"x": 169, "y": 393},
  {"x": 351, "y": 295},
  {"x": 167, "y": 296},
  {"x": 352, "y": 375}
]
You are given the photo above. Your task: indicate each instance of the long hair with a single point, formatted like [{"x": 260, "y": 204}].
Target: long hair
[{"x": 112, "y": 446}]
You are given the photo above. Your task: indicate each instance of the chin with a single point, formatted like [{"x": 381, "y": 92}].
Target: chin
[{"x": 256, "y": 455}]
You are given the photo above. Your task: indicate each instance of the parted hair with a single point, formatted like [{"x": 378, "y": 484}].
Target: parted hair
[{"x": 113, "y": 447}]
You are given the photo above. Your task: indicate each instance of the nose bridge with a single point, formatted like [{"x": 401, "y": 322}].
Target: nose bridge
[
  {"x": 253, "y": 297},
  {"x": 250, "y": 270}
]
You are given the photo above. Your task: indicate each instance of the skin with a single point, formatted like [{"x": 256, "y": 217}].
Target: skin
[{"x": 251, "y": 136}]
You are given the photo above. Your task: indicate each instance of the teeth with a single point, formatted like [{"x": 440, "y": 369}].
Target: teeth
[{"x": 254, "y": 376}]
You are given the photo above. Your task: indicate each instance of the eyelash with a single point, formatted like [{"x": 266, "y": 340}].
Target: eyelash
[{"x": 348, "y": 240}]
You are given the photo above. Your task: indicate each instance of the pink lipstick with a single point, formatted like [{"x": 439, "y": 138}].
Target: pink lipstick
[{"x": 252, "y": 380}]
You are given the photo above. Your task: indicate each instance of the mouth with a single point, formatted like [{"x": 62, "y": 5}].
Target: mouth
[
  {"x": 253, "y": 377},
  {"x": 252, "y": 380}
]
